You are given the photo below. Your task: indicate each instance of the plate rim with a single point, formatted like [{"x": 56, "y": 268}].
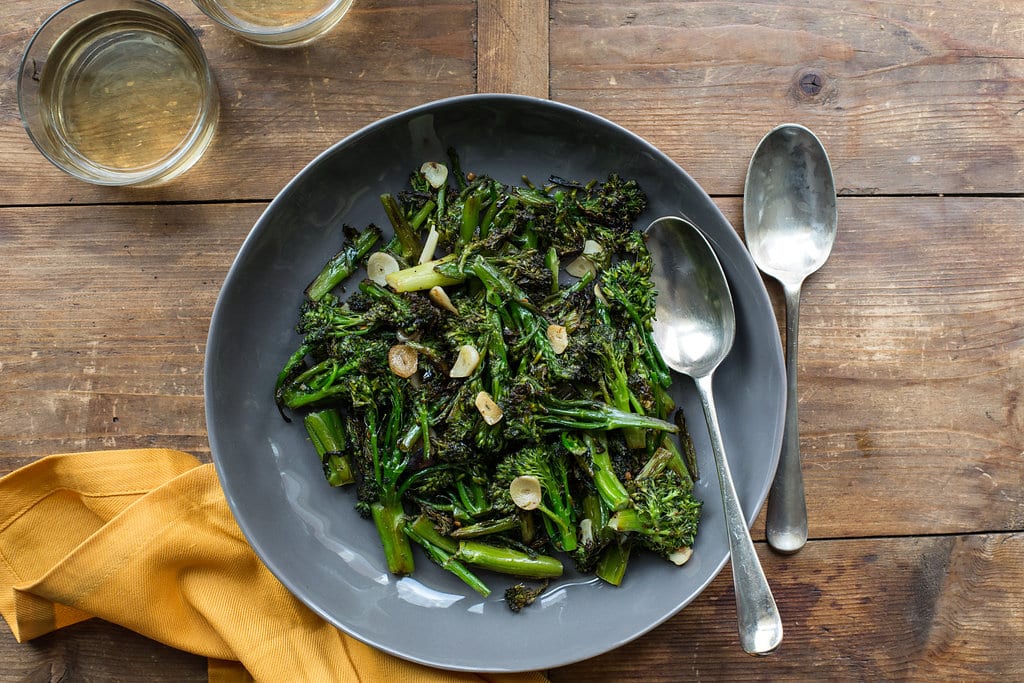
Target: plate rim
[{"x": 252, "y": 536}]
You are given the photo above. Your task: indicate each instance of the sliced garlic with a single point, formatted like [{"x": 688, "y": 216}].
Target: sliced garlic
[
  {"x": 525, "y": 492},
  {"x": 466, "y": 363},
  {"x": 403, "y": 360},
  {"x": 599, "y": 294},
  {"x": 582, "y": 264},
  {"x": 435, "y": 173},
  {"x": 586, "y": 531},
  {"x": 490, "y": 410},
  {"x": 440, "y": 297},
  {"x": 379, "y": 265},
  {"x": 429, "y": 246},
  {"x": 559, "y": 338},
  {"x": 681, "y": 556}
]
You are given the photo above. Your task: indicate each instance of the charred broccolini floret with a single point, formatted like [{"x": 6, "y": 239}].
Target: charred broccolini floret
[{"x": 508, "y": 342}]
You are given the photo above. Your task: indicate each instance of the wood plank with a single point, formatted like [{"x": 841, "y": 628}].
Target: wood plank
[
  {"x": 96, "y": 650},
  {"x": 945, "y": 608},
  {"x": 910, "y": 369},
  {"x": 930, "y": 349},
  {"x": 907, "y": 97},
  {"x": 106, "y": 312},
  {"x": 279, "y": 109},
  {"x": 876, "y": 609},
  {"x": 513, "y": 47}
]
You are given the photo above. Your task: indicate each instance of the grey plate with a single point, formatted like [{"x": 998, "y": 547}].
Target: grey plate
[{"x": 308, "y": 534}]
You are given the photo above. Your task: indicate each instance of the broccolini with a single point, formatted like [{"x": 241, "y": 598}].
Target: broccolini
[{"x": 504, "y": 338}]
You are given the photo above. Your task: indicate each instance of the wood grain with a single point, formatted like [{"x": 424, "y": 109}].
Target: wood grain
[
  {"x": 876, "y": 609},
  {"x": 867, "y": 610},
  {"x": 911, "y": 363},
  {"x": 106, "y": 312},
  {"x": 908, "y": 98},
  {"x": 513, "y": 57},
  {"x": 96, "y": 650},
  {"x": 279, "y": 108},
  {"x": 910, "y": 367},
  {"x": 912, "y": 335}
]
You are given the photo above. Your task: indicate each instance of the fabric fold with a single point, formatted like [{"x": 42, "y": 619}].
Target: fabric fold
[{"x": 145, "y": 539}]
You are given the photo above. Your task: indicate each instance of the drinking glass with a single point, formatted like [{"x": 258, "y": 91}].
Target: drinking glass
[
  {"x": 118, "y": 92},
  {"x": 276, "y": 23}
]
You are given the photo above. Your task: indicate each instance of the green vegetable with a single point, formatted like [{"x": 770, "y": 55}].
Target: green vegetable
[
  {"x": 343, "y": 264},
  {"x": 558, "y": 381},
  {"x": 520, "y": 595}
]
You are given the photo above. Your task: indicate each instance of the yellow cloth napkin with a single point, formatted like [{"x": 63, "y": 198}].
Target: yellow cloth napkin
[{"x": 144, "y": 538}]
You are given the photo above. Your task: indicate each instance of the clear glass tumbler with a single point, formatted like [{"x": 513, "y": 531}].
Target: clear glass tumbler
[
  {"x": 276, "y": 23},
  {"x": 118, "y": 92}
]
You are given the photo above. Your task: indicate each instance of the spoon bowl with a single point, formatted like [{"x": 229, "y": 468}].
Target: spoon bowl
[
  {"x": 789, "y": 209},
  {"x": 790, "y": 224},
  {"x": 694, "y": 329}
]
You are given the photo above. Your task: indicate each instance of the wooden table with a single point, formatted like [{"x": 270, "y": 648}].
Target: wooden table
[{"x": 912, "y": 339}]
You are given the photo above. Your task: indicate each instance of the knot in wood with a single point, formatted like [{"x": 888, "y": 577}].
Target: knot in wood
[{"x": 811, "y": 83}]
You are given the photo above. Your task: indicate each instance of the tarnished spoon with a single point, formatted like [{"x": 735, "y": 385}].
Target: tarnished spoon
[
  {"x": 694, "y": 328},
  {"x": 789, "y": 219}
]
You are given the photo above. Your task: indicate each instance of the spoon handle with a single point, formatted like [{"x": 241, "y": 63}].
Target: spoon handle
[
  {"x": 760, "y": 625},
  {"x": 786, "y": 522}
]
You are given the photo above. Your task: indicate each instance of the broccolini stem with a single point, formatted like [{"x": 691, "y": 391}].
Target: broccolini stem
[
  {"x": 679, "y": 463},
  {"x": 456, "y": 169},
  {"x": 488, "y": 218},
  {"x": 295, "y": 362},
  {"x": 509, "y": 561},
  {"x": 591, "y": 450},
  {"x": 422, "y": 276},
  {"x": 327, "y": 432},
  {"x": 622, "y": 397},
  {"x": 389, "y": 518},
  {"x": 609, "y": 487},
  {"x": 689, "y": 453},
  {"x": 505, "y": 214},
  {"x": 473, "y": 497},
  {"x": 612, "y": 565},
  {"x": 627, "y": 520},
  {"x": 423, "y": 527},
  {"x": 403, "y": 230},
  {"x": 566, "y": 533},
  {"x": 470, "y": 218},
  {"x": 552, "y": 262},
  {"x": 342, "y": 264},
  {"x": 665, "y": 457},
  {"x": 294, "y": 397},
  {"x": 491, "y": 526},
  {"x": 596, "y": 416},
  {"x": 422, "y": 214},
  {"x": 441, "y": 551}
]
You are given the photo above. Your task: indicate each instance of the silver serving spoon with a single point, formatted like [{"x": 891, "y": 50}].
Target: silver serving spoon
[
  {"x": 694, "y": 328},
  {"x": 789, "y": 219}
]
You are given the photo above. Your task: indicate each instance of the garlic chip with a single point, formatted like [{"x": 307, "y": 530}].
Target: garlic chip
[
  {"x": 441, "y": 298},
  {"x": 491, "y": 411},
  {"x": 379, "y": 265},
  {"x": 403, "y": 360},
  {"x": 466, "y": 363},
  {"x": 559, "y": 338},
  {"x": 526, "y": 492},
  {"x": 681, "y": 556},
  {"x": 435, "y": 173}
]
